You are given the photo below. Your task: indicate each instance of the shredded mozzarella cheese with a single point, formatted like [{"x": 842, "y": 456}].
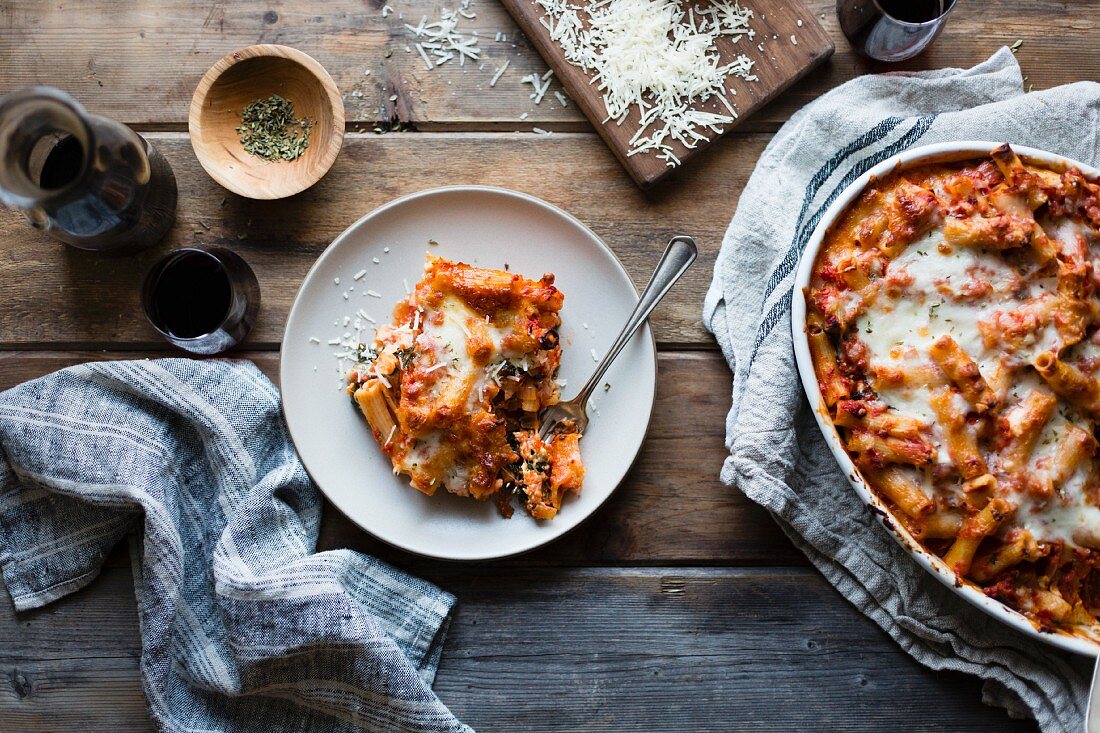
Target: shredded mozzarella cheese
[
  {"x": 651, "y": 56},
  {"x": 540, "y": 84}
]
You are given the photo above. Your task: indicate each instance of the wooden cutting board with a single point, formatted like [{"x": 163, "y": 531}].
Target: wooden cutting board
[{"x": 788, "y": 43}]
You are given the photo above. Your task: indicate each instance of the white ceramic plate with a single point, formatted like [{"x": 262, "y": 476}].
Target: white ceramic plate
[
  {"x": 483, "y": 226},
  {"x": 940, "y": 152}
]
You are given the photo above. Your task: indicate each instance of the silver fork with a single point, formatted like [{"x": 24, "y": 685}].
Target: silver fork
[{"x": 678, "y": 256}]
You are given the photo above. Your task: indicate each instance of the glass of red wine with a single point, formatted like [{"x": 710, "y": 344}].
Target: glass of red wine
[
  {"x": 892, "y": 30},
  {"x": 202, "y": 300}
]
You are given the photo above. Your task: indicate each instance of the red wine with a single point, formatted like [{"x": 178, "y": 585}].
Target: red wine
[
  {"x": 912, "y": 11},
  {"x": 192, "y": 295},
  {"x": 202, "y": 300},
  {"x": 892, "y": 30}
]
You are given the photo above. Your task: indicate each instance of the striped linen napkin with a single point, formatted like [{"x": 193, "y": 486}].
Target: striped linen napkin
[
  {"x": 244, "y": 626},
  {"x": 777, "y": 455}
]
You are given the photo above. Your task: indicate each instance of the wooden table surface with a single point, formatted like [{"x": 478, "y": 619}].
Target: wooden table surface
[{"x": 680, "y": 605}]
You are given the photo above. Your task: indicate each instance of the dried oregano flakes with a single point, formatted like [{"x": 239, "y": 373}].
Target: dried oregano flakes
[{"x": 269, "y": 129}]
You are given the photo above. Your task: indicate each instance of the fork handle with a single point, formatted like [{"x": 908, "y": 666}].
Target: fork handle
[
  {"x": 1092, "y": 708},
  {"x": 678, "y": 256}
]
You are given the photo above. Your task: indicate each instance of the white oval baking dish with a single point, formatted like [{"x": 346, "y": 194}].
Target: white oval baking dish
[{"x": 940, "y": 152}]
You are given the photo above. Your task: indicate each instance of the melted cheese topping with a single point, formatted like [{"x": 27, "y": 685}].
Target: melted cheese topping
[
  {"x": 460, "y": 382},
  {"x": 929, "y": 291},
  {"x": 466, "y": 367},
  {"x": 932, "y": 289},
  {"x": 954, "y": 324},
  {"x": 1068, "y": 514}
]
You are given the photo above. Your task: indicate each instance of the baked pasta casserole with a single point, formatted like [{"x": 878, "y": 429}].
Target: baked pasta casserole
[
  {"x": 452, "y": 390},
  {"x": 952, "y": 321}
]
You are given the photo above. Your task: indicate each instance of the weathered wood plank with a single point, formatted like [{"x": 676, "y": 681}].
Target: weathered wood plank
[
  {"x": 114, "y": 58},
  {"x": 56, "y": 295},
  {"x": 672, "y": 509},
  {"x": 626, "y": 649}
]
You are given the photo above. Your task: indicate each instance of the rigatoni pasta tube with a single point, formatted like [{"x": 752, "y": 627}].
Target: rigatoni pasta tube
[
  {"x": 1010, "y": 165},
  {"x": 478, "y": 279},
  {"x": 1074, "y": 447},
  {"x": 1069, "y": 382},
  {"x": 529, "y": 398},
  {"x": 911, "y": 375},
  {"x": 1073, "y": 311},
  {"x": 1051, "y": 605},
  {"x": 962, "y": 446},
  {"x": 963, "y": 373},
  {"x": 997, "y": 232},
  {"x": 877, "y": 418},
  {"x": 829, "y": 379},
  {"x": 940, "y": 525},
  {"x": 991, "y": 564},
  {"x": 902, "y": 489},
  {"x": 975, "y": 528},
  {"x": 372, "y": 403},
  {"x": 1024, "y": 422},
  {"x": 878, "y": 450}
]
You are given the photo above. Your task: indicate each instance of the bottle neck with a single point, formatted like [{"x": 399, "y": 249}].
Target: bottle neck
[{"x": 47, "y": 144}]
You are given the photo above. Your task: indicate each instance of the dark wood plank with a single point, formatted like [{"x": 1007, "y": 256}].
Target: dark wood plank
[
  {"x": 671, "y": 510},
  {"x": 113, "y": 58},
  {"x": 62, "y": 297},
  {"x": 789, "y": 42},
  {"x": 561, "y": 650}
]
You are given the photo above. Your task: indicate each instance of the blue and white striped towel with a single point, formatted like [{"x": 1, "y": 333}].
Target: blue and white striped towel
[{"x": 244, "y": 627}]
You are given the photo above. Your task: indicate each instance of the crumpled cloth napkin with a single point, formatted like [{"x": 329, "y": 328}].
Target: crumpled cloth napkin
[
  {"x": 777, "y": 455},
  {"x": 245, "y": 628}
]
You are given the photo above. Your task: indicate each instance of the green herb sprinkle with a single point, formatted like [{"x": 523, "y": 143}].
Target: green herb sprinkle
[{"x": 269, "y": 129}]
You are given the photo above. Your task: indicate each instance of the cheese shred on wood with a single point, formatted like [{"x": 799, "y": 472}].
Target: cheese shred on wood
[{"x": 654, "y": 56}]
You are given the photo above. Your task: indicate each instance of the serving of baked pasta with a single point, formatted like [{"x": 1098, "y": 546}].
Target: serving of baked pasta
[
  {"x": 453, "y": 388},
  {"x": 952, "y": 323}
]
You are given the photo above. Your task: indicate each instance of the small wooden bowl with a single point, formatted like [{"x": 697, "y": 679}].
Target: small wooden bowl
[{"x": 257, "y": 72}]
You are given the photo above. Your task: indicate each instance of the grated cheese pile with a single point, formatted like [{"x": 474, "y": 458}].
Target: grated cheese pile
[{"x": 654, "y": 56}]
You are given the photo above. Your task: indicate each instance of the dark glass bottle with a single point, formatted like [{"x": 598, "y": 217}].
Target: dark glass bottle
[{"x": 87, "y": 180}]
